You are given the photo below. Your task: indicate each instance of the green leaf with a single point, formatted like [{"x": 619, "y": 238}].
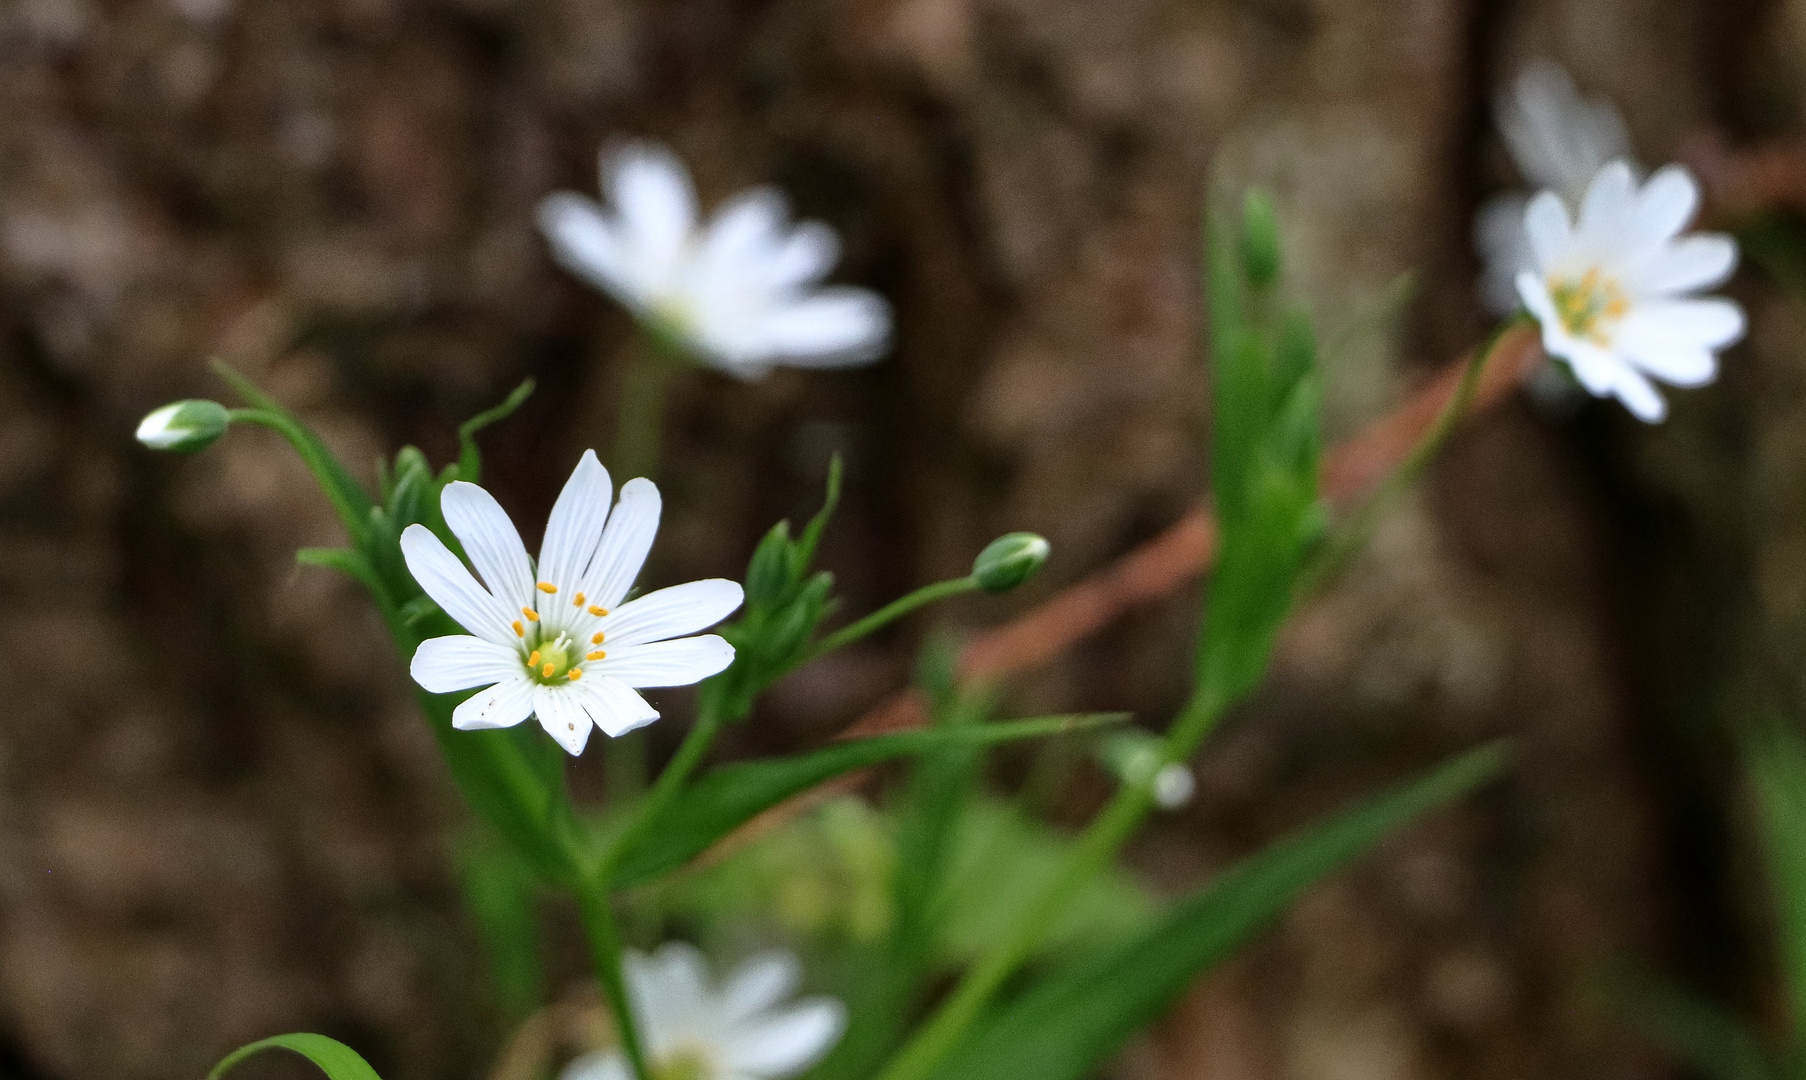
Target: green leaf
[
  {"x": 725, "y": 798},
  {"x": 501, "y": 893},
  {"x": 335, "y": 1059},
  {"x": 1066, "y": 1025},
  {"x": 1776, "y": 760},
  {"x": 806, "y": 544},
  {"x": 470, "y": 459},
  {"x": 1700, "y": 1032}
]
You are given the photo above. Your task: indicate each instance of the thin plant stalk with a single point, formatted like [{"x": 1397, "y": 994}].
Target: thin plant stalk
[
  {"x": 597, "y": 911},
  {"x": 640, "y": 409},
  {"x": 891, "y": 612}
]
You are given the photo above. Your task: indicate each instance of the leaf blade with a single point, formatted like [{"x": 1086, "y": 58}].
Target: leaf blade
[{"x": 335, "y": 1059}]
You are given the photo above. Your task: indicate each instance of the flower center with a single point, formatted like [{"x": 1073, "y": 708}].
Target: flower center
[
  {"x": 685, "y": 1064},
  {"x": 1588, "y": 305},
  {"x": 554, "y": 661}
]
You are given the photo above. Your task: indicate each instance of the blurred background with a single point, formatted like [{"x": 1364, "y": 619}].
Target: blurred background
[{"x": 221, "y": 816}]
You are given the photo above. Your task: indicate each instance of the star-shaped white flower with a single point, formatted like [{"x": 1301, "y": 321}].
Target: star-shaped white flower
[
  {"x": 742, "y": 293},
  {"x": 1613, "y": 291},
  {"x": 693, "y": 1030},
  {"x": 1559, "y": 141},
  {"x": 557, "y": 640}
]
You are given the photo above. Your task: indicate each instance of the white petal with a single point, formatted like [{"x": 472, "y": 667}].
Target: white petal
[
  {"x": 673, "y": 612},
  {"x": 652, "y": 194},
  {"x": 503, "y": 705},
  {"x": 445, "y": 665},
  {"x": 1558, "y": 138},
  {"x": 745, "y": 233},
  {"x": 561, "y": 713},
  {"x": 606, "y": 1065},
  {"x": 613, "y": 705},
  {"x": 759, "y": 983},
  {"x": 446, "y": 580},
  {"x": 1664, "y": 207},
  {"x": 625, "y": 541},
  {"x": 786, "y": 1043},
  {"x": 1546, "y": 223},
  {"x": 491, "y": 541},
  {"x": 585, "y": 242},
  {"x": 670, "y": 987},
  {"x": 1639, "y": 395},
  {"x": 668, "y": 663},
  {"x": 574, "y": 530},
  {"x": 839, "y": 326},
  {"x": 1701, "y": 261},
  {"x": 1712, "y": 323},
  {"x": 1504, "y": 246},
  {"x": 805, "y": 256},
  {"x": 1675, "y": 364},
  {"x": 1610, "y": 207}
]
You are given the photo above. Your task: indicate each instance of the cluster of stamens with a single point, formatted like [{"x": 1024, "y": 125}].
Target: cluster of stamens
[
  {"x": 555, "y": 660},
  {"x": 1589, "y": 305}
]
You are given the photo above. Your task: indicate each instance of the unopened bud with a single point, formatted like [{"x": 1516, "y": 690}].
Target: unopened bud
[
  {"x": 1008, "y": 561},
  {"x": 184, "y": 426},
  {"x": 1173, "y": 786}
]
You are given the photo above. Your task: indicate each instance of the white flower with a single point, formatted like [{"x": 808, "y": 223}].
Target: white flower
[
  {"x": 1559, "y": 142},
  {"x": 558, "y": 641},
  {"x": 742, "y": 293},
  {"x": 1612, "y": 292},
  {"x": 693, "y": 1030}
]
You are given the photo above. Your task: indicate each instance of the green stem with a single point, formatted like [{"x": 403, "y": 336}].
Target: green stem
[
  {"x": 665, "y": 790},
  {"x": 889, "y": 613},
  {"x": 640, "y": 415},
  {"x": 1095, "y": 849},
  {"x": 605, "y": 950},
  {"x": 353, "y": 506},
  {"x": 1348, "y": 540}
]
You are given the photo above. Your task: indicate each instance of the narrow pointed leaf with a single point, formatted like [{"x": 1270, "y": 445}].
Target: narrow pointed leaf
[
  {"x": 1700, "y": 1032},
  {"x": 727, "y": 797},
  {"x": 335, "y": 1059},
  {"x": 1071, "y": 1022}
]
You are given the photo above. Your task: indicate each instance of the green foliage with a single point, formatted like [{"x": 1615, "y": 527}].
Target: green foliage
[
  {"x": 784, "y": 604},
  {"x": 1775, "y": 759},
  {"x": 1700, "y": 1032},
  {"x": 727, "y": 797},
  {"x": 335, "y": 1059},
  {"x": 1068, "y": 1023},
  {"x": 1265, "y": 454},
  {"x": 501, "y": 893}
]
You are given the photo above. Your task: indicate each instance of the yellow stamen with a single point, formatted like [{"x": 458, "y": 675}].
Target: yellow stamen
[
  {"x": 576, "y": 673},
  {"x": 519, "y": 630},
  {"x": 596, "y": 639},
  {"x": 547, "y": 587},
  {"x": 594, "y": 610},
  {"x": 545, "y": 672},
  {"x": 597, "y": 655},
  {"x": 532, "y": 616},
  {"x": 533, "y": 661},
  {"x": 577, "y": 601}
]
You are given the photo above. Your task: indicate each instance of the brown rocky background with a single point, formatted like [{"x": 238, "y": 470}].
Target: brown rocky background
[{"x": 220, "y": 816}]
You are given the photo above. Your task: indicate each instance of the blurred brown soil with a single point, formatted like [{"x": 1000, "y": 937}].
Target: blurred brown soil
[{"x": 220, "y": 816}]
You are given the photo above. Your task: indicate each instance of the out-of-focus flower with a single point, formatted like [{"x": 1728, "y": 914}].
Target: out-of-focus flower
[
  {"x": 740, "y": 1030},
  {"x": 1613, "y": 290},
  {"x": 1559, "y": 141},
  {"x": 741, "y": 293},
  {"x": 556, "y": 640}
]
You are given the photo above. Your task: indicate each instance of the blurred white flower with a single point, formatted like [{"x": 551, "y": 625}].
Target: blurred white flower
[
  {"x": 741, "y": 1030},
  {"x": 1613, "y": 289},
  {"x": 556, "y": 640},
  {"x": 1559, "y": 142},
  {"x": 742, "y": 293}
]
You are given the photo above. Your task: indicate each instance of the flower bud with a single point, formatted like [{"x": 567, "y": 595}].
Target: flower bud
[
  {"x": 184, "y": 427},
  {"x": 1173, "y": 786},
  {"x": 1260, "y": 240},
  {"x": 1008, "y": 561}
]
